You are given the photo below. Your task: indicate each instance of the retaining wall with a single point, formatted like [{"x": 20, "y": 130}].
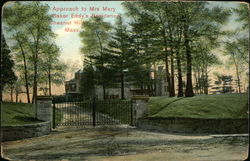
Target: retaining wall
[
  {"x": 16, "y": 132},
  {"x": 189, "y": 125}
]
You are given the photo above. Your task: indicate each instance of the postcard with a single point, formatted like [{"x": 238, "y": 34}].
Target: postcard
[{"x": 124, "y": 80}]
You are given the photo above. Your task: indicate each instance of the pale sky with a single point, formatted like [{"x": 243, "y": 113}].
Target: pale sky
[{"x": 70, "y": 43}]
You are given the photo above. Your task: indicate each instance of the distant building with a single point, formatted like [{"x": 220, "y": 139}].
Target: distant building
[{"x": 72, "y": 88}]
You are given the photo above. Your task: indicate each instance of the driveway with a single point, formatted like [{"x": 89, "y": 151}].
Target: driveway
[{"x": 124, "y": 143}]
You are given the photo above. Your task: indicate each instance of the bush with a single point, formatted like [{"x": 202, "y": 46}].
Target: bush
[{"x": 67, "y": 98}]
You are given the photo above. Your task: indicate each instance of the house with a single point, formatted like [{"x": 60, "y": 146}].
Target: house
[{"x": 72, "y": 88}]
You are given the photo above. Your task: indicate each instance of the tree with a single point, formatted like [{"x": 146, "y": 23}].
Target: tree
[
  {"x": 203, "y": 60},
  {"x": 199, "y": 22},
  {"x": 178, "y": 27},
  {"x": 223, "y": 83},
  {"x": 18, "y": 88},
  {"x": 236, "y": 55},
  {"x": 95, "y": 37},
  {"x": 119, "y": 53},
  {"x": 40, "y": 31},
  {"x": 88, "y": 81},
  {"x": 7, "y": 73},
  {"x": 28, "y": 24},
  {"x": 236, "y": 47},
  {"x": 150, "y": 36},
  {"x": 52, "y": 70},
  {"x": 14, "y": 20},
  {"x": 242, "y": 12}
]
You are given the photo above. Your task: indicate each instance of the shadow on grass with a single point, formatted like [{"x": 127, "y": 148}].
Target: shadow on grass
[{"x": 27, "y": 119}]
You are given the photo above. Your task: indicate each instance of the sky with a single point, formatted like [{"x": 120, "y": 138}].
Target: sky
[{"x": 70, "y": 43}]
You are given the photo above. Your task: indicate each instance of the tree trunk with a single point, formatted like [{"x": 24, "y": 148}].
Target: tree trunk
[
  {"x": 206, "y": 81},
  {"x": 195, "y": 82},
  {"x": 35, "y": 81},
  {"x": 122, "y": 86},
  {"x": 149, "y": 83},
  {"x": 172, "y": 76},
  {"x": 49, "y": 77},
  {"x": 142, "y": 92},
  {"x": 167, "y": 75},
  {"x": 104, "y": 91},
  {"x": 11, "y": 94},
  {"x": 17, "y": 95},
  {"x": 180, "y": 85},
  {"x": 155, "y": 79},
  {"x": 25, "y": 72},
  {"x": 189, "y": 87},
  {"x": 171, "y": 64},
  {"x": 166, "y": 62},
  {"x": 199, "y": 82},
  {"x": 238, "y": 77}
]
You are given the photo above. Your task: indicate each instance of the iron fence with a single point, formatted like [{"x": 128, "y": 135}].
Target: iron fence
[{"x": 92, "y": 112}]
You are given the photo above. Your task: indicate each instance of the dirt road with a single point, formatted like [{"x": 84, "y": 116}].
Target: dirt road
[{"x": 126, "y": 144}]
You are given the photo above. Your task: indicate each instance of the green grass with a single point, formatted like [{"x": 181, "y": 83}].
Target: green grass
[
  {"x": 200, "y": 106},
  {"x": 18, "y": 113}
]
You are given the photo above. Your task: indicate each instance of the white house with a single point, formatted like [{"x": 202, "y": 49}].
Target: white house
[{"x": 72, "y": 88}]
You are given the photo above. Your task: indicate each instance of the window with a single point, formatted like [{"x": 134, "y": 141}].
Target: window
[{"x": 73, "y": 87}]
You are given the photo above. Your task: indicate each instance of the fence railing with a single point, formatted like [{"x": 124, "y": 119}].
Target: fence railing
[{"x": 92, "y": 112}]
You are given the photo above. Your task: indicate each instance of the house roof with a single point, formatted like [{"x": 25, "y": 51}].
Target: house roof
[
  {"x": 79, "y": 71},
  {"x": 71, "y": 81}
]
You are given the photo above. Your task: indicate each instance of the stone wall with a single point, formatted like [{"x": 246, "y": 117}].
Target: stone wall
[
  {"x": 16, "y": 132},
  {"x": 140, "y": 108},
  {"x": 189, "y": 125},
  {"x": 44, "y": 108}
]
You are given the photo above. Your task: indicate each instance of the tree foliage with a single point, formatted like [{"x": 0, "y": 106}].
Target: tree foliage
[
  {"x": 7, "y": 64},
  {"x": 28, "y": 26}
]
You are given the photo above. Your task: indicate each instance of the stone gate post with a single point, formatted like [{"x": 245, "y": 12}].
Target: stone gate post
[
  {"x": 44, "y": 108},
  {"x": 140, "y": 108}
]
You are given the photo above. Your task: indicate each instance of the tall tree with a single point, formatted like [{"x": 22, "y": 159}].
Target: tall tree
[
  {"x": 204, "y": 59},
  {"x": 7, "y": 72},
  {"x": 119, "y": 52},
  {"x": 29, "y": 25},
  {"x": 51, "y": 68},
  {"x": 88, "y": 81},
  {"x": 14, "y": 23},
  {"x": 151, "y": 36},
  {"x": 40, "y": 31},
  {"x": 199, "y": 22},
  {"x": 95, "y": 37},
  {"x": 237, "y": 56},
  {"x": 242, "y": 12},
  {"x": 8, "y": 77}
]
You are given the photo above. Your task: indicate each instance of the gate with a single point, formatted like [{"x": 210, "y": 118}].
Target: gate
[{"x": 94, "y": 112}]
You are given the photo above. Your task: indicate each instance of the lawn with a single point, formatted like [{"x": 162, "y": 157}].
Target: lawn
[
  {"x": 18, "y": 113},
  {"x": 200, "y": 106}
]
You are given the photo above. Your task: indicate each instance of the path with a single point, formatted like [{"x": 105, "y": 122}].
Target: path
[{"x": 115, "y": 143}]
